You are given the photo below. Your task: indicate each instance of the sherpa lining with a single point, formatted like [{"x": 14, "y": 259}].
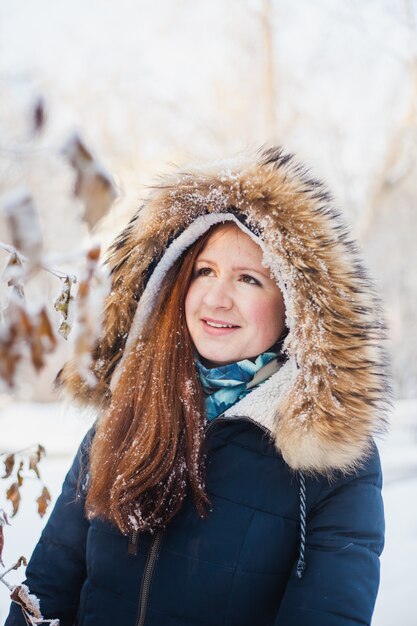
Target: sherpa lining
[{"x": 339, "y": 392}]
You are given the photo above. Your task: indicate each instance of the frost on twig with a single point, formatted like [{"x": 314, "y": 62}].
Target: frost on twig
[
  {"x": 93, "y": 185},
  {"x": 21, "y": 561}
]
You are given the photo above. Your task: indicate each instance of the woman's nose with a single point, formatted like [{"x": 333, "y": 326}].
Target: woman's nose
[{"x": 218, "y": 294}]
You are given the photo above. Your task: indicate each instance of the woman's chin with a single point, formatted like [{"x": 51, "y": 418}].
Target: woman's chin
[{"x": 212, "y": 360}]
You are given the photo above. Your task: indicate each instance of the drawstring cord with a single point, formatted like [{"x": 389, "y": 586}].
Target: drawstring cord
[{"x": 301, "y": 555}]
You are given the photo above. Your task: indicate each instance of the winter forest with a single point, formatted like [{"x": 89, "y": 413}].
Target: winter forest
[{"x": 96, "y": 99}]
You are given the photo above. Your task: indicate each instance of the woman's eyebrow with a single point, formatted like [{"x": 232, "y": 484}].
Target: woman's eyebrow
[
  {"x": 250, "y": 269},
  {"x": 236, "y": 268}
]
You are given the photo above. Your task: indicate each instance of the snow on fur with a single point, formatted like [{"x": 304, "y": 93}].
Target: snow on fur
[{"x": 323, "y": 416}]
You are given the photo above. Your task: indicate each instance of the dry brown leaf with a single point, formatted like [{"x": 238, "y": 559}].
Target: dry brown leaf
[
  {"x": 17, "y": 328},
  {"x": 19, "y": 474},
  {"x": 35, "y": 458},
  {"x": 91, "y": 292},
  {"x": 42, "y": 339},
  {"x": 64, "y": 304},
  {"x": 33, "y": 464},
  {"x": 10, "y": 355},
  {"x": 61, "y": 304},
  {"x": 43, "y": 501},
  {"x": 45, "y": 329},
  {"x": 38, "y": 115},
  {"x": 23, "y": 330},
  {"x": 64, "y": 329},
  {"x": 8, "y": 465},
  {"x": 93, "y": 185},
  {"x": 84, "y": 287},
  {"x": 94, "y": 254},
  {"x": 98, "y": 194},
  {"x": 30, "y": 603},
  {"x": 24, "y": 225},
  {"x": 13, "y": 273},
  {"x": 21, "y": 320},
  {"x": 13, "y": 495}
]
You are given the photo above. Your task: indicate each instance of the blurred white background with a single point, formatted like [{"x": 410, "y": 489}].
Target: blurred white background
[{"x": 146, "y": 84}]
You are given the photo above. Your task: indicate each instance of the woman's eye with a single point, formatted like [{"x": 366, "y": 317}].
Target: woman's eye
[
  {"x": 250, "y": 280},
  {"x": 203, "y": 271}
]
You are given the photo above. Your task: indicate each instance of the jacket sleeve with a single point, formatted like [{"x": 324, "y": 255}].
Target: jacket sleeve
[
  {"x": 57, "y": 568},
  {"x": 345, "y": 537}
]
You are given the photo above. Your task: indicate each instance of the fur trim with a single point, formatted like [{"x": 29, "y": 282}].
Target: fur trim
[{"x": 337, "y": 393}]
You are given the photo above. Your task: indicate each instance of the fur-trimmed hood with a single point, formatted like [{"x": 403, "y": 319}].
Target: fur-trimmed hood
[{"x": 332, "y": 395}]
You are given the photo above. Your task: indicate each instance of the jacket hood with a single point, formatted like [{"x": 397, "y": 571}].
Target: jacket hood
[{"x": 332, "y": 395}]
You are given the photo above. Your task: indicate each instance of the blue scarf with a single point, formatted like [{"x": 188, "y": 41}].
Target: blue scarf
[{"x": 225, "y": 385}]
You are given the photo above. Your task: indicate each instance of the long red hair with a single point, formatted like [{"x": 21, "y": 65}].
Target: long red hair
[{"x": 148, "y": 450}]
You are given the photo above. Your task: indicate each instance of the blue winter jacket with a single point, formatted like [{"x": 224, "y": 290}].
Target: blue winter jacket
[{"x": 235, "y": 568}]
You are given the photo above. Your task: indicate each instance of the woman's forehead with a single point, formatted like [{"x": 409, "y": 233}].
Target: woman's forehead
[
  {"x": 230, "y": 245},
  {"x": 230, "y": 235}
]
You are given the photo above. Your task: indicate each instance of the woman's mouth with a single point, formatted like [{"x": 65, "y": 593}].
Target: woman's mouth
[{"x": 217, "y": 327}]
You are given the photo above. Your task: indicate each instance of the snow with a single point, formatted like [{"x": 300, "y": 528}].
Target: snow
[{"x": 60, "y": 429}]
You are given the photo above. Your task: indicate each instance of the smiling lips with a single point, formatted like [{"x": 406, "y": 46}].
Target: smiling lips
[{"x": 218, "y": 327}]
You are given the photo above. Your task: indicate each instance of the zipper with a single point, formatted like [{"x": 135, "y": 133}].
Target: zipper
[
  {"x": 147, "y": 577},
  {"x": 157, "y": 539},
  {"x": 132, "y": 547}
]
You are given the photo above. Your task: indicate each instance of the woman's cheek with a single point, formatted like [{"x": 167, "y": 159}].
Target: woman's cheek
[
  {"x": 267, "y": 316},
  {"x": 259, "y": 312}
]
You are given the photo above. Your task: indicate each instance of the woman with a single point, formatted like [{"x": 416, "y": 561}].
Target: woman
[{"x": 232, "y": 477}]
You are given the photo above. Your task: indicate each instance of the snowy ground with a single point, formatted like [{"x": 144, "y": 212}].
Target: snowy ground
[{"x": 60, "y": 430}]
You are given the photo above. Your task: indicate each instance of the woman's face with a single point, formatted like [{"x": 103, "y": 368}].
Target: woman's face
[{"x": 233, "y": 308}]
